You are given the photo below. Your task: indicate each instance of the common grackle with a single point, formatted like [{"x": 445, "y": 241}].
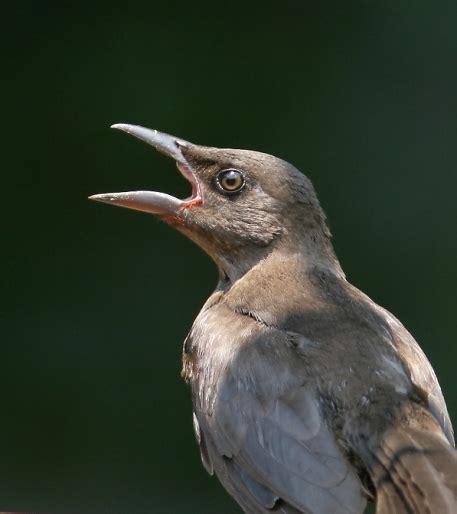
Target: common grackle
[{"x": 308, "y": 397}]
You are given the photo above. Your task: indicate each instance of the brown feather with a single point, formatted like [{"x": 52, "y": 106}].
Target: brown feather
[
  {"x": 416, "y": 468},
  {"x": 308, "y": 397}
]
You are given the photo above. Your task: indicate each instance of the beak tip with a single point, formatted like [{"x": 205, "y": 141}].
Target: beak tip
[
  {"x": 121, "y": 126},
  {"x": 149, "y": 136},
  {"x": 105, "y": 198},
  {"x": 133, "y": 129}
]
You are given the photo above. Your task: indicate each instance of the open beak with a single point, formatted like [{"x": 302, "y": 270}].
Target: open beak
[{"x": 152, "y": 201}]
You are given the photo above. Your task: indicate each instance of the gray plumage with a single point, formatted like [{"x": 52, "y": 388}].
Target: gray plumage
[{"x": 308, "y": 397}]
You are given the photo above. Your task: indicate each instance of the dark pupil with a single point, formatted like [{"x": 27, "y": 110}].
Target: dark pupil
[{"x": 231, "y": 180}]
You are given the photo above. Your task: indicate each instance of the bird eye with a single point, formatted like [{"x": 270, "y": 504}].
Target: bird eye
[{"x": 230, "y": 181}]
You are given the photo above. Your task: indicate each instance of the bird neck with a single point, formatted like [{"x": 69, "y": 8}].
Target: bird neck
[{"x": 312, "y": 250}]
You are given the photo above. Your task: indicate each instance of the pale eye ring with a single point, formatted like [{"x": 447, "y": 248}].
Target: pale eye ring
[{"x": 230, "y": 181}]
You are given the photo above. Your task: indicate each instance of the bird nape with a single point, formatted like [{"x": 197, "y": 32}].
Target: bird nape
[{"x": 308, "y": 397}]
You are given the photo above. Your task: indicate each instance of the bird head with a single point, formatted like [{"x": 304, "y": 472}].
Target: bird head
[{"x": 243, "y": 203}]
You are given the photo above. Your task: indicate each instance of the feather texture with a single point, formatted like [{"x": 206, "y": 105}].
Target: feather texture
[{"x": 288, "y": 427}]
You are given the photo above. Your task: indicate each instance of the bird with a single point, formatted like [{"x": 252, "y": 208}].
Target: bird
[{"x": 307, "y": 396}]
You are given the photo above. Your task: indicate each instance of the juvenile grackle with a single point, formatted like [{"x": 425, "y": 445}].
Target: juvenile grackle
[{"x": 308, "y": 397}]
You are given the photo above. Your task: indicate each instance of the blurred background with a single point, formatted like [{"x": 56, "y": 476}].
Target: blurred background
[{"x": 96, "y": 301}]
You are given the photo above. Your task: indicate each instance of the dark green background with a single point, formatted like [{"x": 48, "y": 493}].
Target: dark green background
[{"x": 96, "y": 301}]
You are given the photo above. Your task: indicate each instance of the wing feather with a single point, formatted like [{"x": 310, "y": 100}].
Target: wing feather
[{"x": 284, "y": 446}]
